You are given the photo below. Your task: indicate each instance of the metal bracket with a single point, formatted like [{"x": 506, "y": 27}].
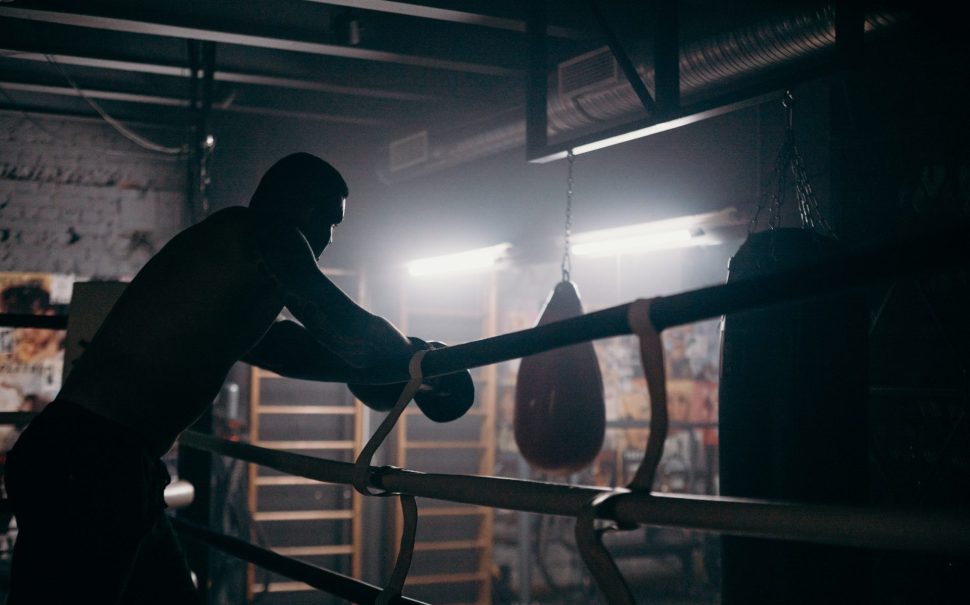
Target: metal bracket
[{"x": 666, "y": 77}]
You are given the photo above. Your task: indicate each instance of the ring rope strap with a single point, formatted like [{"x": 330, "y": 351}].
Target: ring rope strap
[
  {"x": 395, "y": 584},
  {"x": 652, "y": 359},
  {"x": 409, "y": 508},
  {"x": 362, "y": 464},
  {"x": 589, "y": 537}
]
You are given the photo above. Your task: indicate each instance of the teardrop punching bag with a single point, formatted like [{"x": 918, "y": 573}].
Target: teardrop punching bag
[
  {"x": 793, "y": 420},
  {"x": 560, "y": 411}
]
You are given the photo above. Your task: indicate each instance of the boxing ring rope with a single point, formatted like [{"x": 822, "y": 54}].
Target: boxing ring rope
[
  {"x": 845, "y": 525},
  {"x": 937, "y": 531},
  {"x": 921, "y": 255},
  {"x": 934, "y": 531},
  {"x": 323, "y": 579}
]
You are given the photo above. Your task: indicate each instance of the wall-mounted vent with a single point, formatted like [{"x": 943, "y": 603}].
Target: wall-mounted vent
[
  {"x": 409, "y": 151},
  {"x": 589, "y": 71}
]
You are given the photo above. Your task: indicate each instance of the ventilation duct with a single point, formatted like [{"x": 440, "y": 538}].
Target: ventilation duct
[
  {"x": 586, "y": 73},
  {"x": 705, "y": 66}
]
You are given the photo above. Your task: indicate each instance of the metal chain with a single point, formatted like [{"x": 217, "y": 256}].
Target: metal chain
[
  {"x": 567, "y": 261},
  {"x": 789, "y": 159},
  {"x": 811, "y": 216}
]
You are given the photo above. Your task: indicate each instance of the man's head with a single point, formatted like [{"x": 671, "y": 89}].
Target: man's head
[{"x": 306, "y": 190}]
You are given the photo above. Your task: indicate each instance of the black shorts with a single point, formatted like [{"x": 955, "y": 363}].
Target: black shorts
[{"x": 88, "y": 499}]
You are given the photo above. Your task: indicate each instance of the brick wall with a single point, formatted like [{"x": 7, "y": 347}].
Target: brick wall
[{"x": 77, "y": 198}]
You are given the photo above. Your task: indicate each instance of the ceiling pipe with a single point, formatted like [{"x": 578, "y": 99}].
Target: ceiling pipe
[{"x": 705, "y": 66}]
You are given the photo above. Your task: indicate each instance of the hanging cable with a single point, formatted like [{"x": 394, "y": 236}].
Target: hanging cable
[
  {"x": 118, "y": 126},
  {"x": 54, "y": 137},
  {"x": 567, "y": 244}
]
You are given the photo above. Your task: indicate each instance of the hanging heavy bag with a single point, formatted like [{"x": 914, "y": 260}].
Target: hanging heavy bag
[
  {"x": 793, "y": 424},
  {"x": 560, "y": 412}
]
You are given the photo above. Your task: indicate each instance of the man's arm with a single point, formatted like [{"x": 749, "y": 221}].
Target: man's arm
[
  {"x": 290, "y": 350},
  {"x": 341, "y": 341},
  {"x": 351, "y": 338}
]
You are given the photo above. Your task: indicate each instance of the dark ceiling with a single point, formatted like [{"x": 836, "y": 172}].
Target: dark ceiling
[
  {"x": 386, "y": 68},
  {"x": 371, "y": 63}
]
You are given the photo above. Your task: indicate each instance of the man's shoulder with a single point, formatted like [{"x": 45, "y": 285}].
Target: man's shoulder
[
  {"x": 253, "y": 220},
  {"x": 227, "y": 215},
  {"x": 268, "y": 234},
  {"x": 236, "y": 220}
]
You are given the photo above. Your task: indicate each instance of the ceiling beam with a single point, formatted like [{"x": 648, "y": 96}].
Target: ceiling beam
[
  {"x": 219, "y": 76},
  {"x": 108, "y": 95},
  {"x": 441, "y": 14},
  {"x": 158, "y": 27}
]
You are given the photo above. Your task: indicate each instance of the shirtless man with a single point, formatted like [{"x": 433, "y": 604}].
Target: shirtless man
[{"x": 85, "y": 478}]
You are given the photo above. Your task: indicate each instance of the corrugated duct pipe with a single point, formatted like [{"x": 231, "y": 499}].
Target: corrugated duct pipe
[{"x": 713, "y": 62}]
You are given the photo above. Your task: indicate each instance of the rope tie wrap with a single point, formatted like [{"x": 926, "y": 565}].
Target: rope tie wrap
[
  {"x": 589, "y": 537},
  {"x": 409, "y": 509}
]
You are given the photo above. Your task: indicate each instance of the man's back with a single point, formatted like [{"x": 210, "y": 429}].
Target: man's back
[{"x": 165, "y": 348}]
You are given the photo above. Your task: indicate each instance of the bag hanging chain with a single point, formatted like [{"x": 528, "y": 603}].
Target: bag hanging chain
[
  {"x": 789, "y": 159},
  {"x": 567, "y": 261}
]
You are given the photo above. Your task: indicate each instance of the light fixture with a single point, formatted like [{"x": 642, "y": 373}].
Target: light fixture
[
  {"x": 680, "y": 232},
  {"x": 645, "y": 242},
  {"x": 468, "y": 261}
]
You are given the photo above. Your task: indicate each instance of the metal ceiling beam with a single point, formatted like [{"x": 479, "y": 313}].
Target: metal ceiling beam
[
  {"x": 440, "y": 14},
  {"x": 219, "y": 76},
  {"x": 109, "y": 95},
  {"x": 300, "y": 115},
  {"x": 178, "y": 30},
  {"x": 623, "y": 59}
]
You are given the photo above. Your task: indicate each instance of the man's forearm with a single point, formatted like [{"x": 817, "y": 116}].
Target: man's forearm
[{"x": 289, "y": 350}]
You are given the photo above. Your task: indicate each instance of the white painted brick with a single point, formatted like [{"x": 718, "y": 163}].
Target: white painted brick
[
  {"x": 65, "y": 175},
  {"x": 11, "y": 214},
  {"x": 73, "y": 205},
  {"x": 25, "y": 187},
  {"x": 108, "y": 266},
  {"x": 49, "y": 213},
  {"x": 70, "y": 215},
  {"x": 91, "y": 216},
  {"x": 36, "y": 200}
]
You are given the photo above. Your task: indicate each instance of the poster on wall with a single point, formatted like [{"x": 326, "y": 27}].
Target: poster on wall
[
  {"x": 691, "y": 360},
  {"x": 31, "y": 359}
]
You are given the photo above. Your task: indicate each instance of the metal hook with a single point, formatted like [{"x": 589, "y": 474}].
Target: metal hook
[{"x": 788, "y": 102}]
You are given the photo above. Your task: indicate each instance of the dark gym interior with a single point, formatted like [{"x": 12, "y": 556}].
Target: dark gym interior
[{"x": 685, "y": 152}]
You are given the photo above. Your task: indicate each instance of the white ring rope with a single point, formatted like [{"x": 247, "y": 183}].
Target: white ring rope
[{"x": 868, "y": 527}]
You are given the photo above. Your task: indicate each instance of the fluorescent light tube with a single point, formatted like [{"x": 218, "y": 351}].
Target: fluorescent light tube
[
  {"x": 644, "y": 242},
  {"x": 678, "y": 232},
  {"x": 469, "y": 261}
]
